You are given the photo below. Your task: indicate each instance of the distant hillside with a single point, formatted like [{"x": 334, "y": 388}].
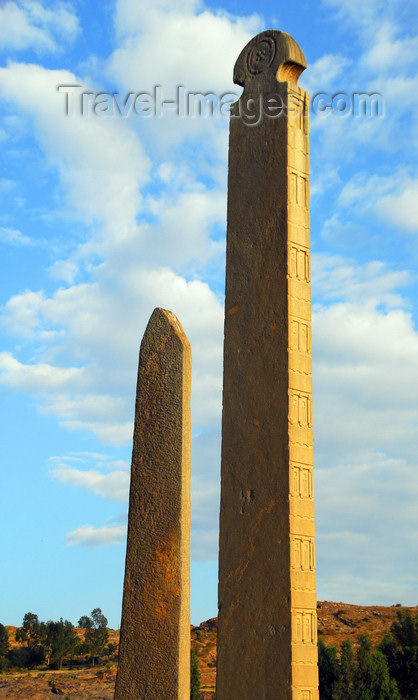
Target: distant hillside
[{"x": 336, "y": 623}]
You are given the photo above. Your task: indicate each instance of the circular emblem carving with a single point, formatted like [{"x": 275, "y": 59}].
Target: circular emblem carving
[{"x": 261, "y": 55}]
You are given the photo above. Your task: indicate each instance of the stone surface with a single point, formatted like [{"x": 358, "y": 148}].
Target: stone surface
[
  {"x": 154, "y": 654},
  {"x": 267, "y": 600}
]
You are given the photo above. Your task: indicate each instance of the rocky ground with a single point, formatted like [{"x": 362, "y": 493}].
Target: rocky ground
[
  {"x": 336, "y": 622},
  {"x": 77, "y": 685}
]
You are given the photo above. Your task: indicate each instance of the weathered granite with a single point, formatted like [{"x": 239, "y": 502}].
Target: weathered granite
[
  {"x": 154, "y": 652},
  {"x": 267, "y": 600}
]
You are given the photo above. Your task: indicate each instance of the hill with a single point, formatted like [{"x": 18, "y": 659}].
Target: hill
[{"x": 336, "y": 623}]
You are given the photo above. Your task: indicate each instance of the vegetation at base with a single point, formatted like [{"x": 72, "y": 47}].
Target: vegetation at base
[
  {"x": 388, "y": 673},
  {"x": 401, "y": 651},
  {"x": 96, "y": 635},
  {"x": 195, "y": 693},
  {"x": 53, "y": 643}
]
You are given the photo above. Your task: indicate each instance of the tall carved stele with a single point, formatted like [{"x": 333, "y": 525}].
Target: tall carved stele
[
  {"x": 154, "y": 652},
  {"x": 267, "y": 643}
]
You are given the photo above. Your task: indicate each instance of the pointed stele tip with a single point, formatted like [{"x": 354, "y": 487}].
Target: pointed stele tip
[
  {"x": 269, "y": 55},
  {"x": 163, "y": 323}
]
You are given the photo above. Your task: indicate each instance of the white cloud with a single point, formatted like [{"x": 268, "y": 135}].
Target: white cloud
[
  {"x": 203, "y": 45},
  {"x": 190, "y": 46},
  {"x": 401, "y": 207},
  {"x": 12, "y": 236},
  {"x": 99, "y": 333},
  {"x": 39, "y": 377},
  {"x": 29, "y": 24},
  {"x": 374, "y": 283},
  {"x": 113, "y": 486},
  {"x": 321, "y": 76},
  {"x": 107, "y": 417},
  {"x": 89, "y": 536},
  {"x": 365, "y": 363},
  {"x": 101, "y": 163},
  {"x": 390, "y": 52},
  {"x": 364, "y": 16},
  {"x": 392, "y": 197},
  {"x": 362, "y": 533}
]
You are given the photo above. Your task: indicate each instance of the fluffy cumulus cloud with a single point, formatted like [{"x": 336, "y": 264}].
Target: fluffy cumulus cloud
[
  {"x": 365, "y": 350},
  {"x": 366, "y": 530},
  {"x": 336, "y": 278},
  {"x": 12, "y": 236},
  {"x": 153, "y": 235},
  {"x": 203, "y": 45},
  {"x": 106, "y": 478},
  {"x": 90, "y": 536},
  {"x": 101, "y": 163},
  {"x": 401, "y": 206},
  {"x": 42, "y": 26}
]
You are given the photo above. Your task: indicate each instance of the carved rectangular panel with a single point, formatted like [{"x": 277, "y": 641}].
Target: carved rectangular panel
[
  {"x": 299, "y": 265},
  {"x": 303, "y": 553},
  {"x": 299, "y": 189},
  {"x": 300, "y": 409},
  {"x": 296, "y": 110},
  {"x": 300, "y": 336},
  {"x": 304, "y": 627},
  {"x": 302, "y": 482}
]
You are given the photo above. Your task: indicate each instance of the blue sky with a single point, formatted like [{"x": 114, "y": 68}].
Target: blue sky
[{"x": 103, "y": 218}]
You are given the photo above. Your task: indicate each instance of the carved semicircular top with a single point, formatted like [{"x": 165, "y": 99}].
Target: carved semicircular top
[{"x": 271, "y": 54}]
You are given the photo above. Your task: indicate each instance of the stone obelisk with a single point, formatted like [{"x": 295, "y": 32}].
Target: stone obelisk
[
  {"x": 267, "y": 645},
  {"x": 154, "y": 651}
]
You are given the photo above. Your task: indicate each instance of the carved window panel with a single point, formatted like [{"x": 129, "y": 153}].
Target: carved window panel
[
  {"x": 299, "y": 266},
  {"x": 302, "y": 482},
  {"x": 296, "y": 111},
  {"x": 303, "y": 553},
  {"x": 299, "y": 189},
  {"x": 300, "y": 409},
  {"x": 300, "y": 336},
  {"x": 305, "y": 695},
  {"x": 294, "y": 409},
  {"x": 304, "y": 627},
  {"x": 303, "y": 337},
  {"x": 293, "y": 180}
]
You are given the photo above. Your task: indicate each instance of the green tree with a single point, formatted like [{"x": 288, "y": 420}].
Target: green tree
[
  {"x": 382, "y": 686},
  {"x": 96, "y": 634},
  {"x": 4, "y": 647},
  {"x": 328, "y": 669},
  {"x": 362, "y": 676},
  {"x": 62, "y": 640},
  {"x": 345, "y": 684},
  {"x": 4, "y": 641},
  {"x": 33, "y": 632},
  {"x": 401, "y": 651},
  {"x": 26, "y": 657},
  {"x": 372, "y": 680},
  {"x": 111, "y": 648},
  {"x": 195, "y": 693}
]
